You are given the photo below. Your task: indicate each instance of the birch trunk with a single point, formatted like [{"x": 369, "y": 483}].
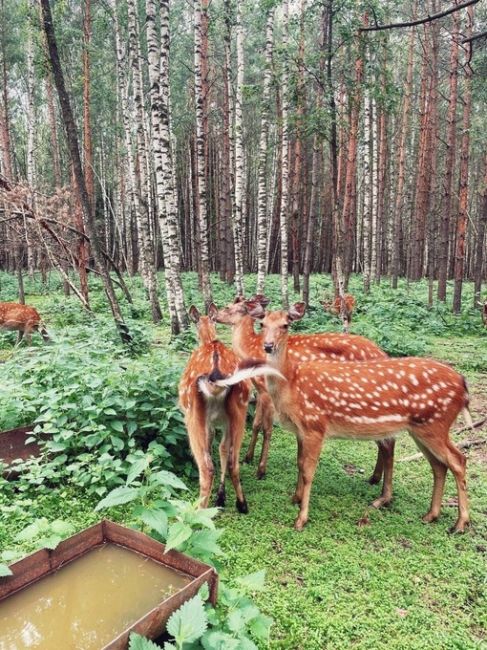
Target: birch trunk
[
  {"x": 200, "y": 179},
  {"x": 263, "y": 146},
  {"x": 239, "y": 159},
  {"x": 284, "y": 161},
  {"x": 143, "y": 214}
]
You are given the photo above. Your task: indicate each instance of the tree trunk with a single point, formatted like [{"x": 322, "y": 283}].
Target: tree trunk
[
  {"x": 263, "y": 144},
  {"x": 200, "y": 179},
  {"x": 399, "y": 206},
  {"x": 144, "y": 213},
  {"x": 72, "y": 138},
  {"x": 238, "y": 228},
  {"x": 480, "y": 256},
  {"x": 284, "y": 160},
  {"x": 464, "y": 169},
  {"x": 450, "y": 161}
]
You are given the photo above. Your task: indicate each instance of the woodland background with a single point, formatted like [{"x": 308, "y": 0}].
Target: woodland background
[{"x": 234, "y": 137}]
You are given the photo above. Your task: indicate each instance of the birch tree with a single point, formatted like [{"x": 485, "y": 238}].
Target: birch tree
[
  {"x": 283, "y": 214},
  {"x": 263, "y": 167},
  {"x": 200, "y": 180}
]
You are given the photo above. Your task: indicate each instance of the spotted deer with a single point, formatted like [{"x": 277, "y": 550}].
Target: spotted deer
[
  {"x": 22, "y": 319},
  {"x": 214, "y": 391},
  {"x": 372, "y": 400},
  {"x": 343, "y": 308},
  {"x": 302, "y": 347}
]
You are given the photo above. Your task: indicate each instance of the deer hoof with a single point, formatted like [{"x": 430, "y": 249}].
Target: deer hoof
[
  {"x": 299, "y": 524},
  {"x": 248, "y": 460},
  {"x": 375, "y": 478},
  {"x": 429, "y": 518},
  {"x": 260, "y": 474},
  {"x": 381, "y": 502},
  {"x": 220, "y": 499},
  {"x": 458, "y": 528},
  {"x": 242, "y": 507}
]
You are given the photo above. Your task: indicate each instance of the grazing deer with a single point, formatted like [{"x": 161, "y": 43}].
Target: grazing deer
[
  {"x": 341, "y": 307},
  {"x": 302, "y": 347},
  {"x": 367, "y": 401},
  {"x": 214, "y": 391},
  {"x": 22, "y": 319}
]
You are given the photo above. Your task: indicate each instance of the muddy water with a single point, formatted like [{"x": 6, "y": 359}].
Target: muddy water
[{"x": 86, "y": 603}]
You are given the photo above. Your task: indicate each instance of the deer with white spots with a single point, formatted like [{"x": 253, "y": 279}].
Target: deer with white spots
[
  {"x": 372, "y": 400},
  {"x": 214, "y": 392},
  {"x": 22, "y": 319},
  {"x": 343, "y": 307},
  {"x": 302, "y": 348}
]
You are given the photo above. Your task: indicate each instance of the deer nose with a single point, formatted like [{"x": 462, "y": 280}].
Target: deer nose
[{"x": 268, "y": 347}]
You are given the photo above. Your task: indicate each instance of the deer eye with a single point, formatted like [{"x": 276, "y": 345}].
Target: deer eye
[{"x": 285, "y": 326}]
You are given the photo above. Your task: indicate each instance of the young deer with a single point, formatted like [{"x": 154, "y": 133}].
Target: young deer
[
  {"x": 368, "y": 401},
  {"x": 302, "y": 347},
  {"x": 343, "y": 308},
  {"x": 22, "y": 319},
  {"x": 214, "y": 391}
]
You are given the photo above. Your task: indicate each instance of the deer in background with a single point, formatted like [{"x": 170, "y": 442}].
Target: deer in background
[
  {"x": 372, "y": 400},
  {"x": 214, "y": 391},
  {"x": 342, "y": 307},
  {"x": 483, "y": 308},
  {"x": 22, "y": 319},
  {"x": 302, "y": 347}
]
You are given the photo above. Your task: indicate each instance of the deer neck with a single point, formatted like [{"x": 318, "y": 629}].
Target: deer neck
[{"x": 245, "y": 341}]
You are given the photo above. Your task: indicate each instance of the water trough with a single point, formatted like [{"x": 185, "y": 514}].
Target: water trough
[{"x": 30, "y": 572}]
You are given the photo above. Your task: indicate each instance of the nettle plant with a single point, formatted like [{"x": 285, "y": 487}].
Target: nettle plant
[
  {"x": 236, "y": 622},
  {"x": 102, "y": 411}
]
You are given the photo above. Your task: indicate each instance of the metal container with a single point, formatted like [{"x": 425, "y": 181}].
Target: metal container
[
  {"x": 13, "y": 446},
  {"x": 43, "y": 563}
]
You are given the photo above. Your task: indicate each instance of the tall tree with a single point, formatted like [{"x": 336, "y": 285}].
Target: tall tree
[
  {"x": 262, "y": 231},
  {"x": 200, "y": 179},
  {"x": 72, "y": 138},
  {"x": 283, "y": 215},
  {"x": 239, "y": 157},
  {"x": 464, "y": 168}
]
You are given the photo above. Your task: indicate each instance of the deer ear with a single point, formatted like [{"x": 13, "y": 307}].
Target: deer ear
[
  {"x": 194, "y": 314},
  {"x": 238, "y": 299},
  {"x": 260, "y": 298},
  {"x": 212, "y": 311},
  {"x": 296, "y": 312},
  {"x": 255, "y": 309}
]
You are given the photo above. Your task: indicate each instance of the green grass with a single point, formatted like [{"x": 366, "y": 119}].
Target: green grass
[{"x": 355, "y": 577}]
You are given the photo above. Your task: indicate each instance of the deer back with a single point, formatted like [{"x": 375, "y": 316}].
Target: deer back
[
  {"x": 374, "y": 398},
  {"x": 15, "y": 316}
]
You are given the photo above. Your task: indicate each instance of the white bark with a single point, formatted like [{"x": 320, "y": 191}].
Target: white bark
[
  {"x": 284, "y": 162},
  {"x": 263, "y": 145}
]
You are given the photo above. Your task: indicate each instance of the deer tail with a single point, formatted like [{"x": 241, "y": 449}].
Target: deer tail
[{"x": 248, "y": 369}]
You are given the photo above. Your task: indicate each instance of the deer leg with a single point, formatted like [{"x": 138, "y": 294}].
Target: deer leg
[
  {"x": 379, "y": 465},
  {"x": 224, "y": 450},
  {"x": 310, "y": 455},
  {"x": 199, "y": 443},
  {"x": 249, "y": 456},
  {"x": 20, "y": 336},
  {"x": 237, "y": 410},
  {"x": 267, "y": 412},
  {"x": 298, "y": 494},
  {"x": 445, "y": 453},
  {"x": 386, "y": 451}
]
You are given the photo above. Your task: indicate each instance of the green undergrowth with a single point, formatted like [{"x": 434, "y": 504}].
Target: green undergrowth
[{"x": 355, "y": 577}]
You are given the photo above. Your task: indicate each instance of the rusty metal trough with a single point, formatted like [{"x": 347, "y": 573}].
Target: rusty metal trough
[
  {"x": 13, "y": 446},
  {"x": 43, "y": 563}
]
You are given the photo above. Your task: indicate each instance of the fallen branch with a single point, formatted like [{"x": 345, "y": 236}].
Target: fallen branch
[
  {"x": 420, "y": 21},
  {"x": 465, "y": 444}
]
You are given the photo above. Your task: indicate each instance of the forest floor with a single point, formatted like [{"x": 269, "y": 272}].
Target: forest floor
[{"x": 356, "y": 577}]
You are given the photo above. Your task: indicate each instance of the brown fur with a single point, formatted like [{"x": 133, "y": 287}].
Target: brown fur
[
  {"x": 303, "y": 347},
  {"x": 344, "y": 310},
  {"x": 22, "y": 319},
  {"x": 202, "y": 413},
  {"x": 370, "y": 400}
]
